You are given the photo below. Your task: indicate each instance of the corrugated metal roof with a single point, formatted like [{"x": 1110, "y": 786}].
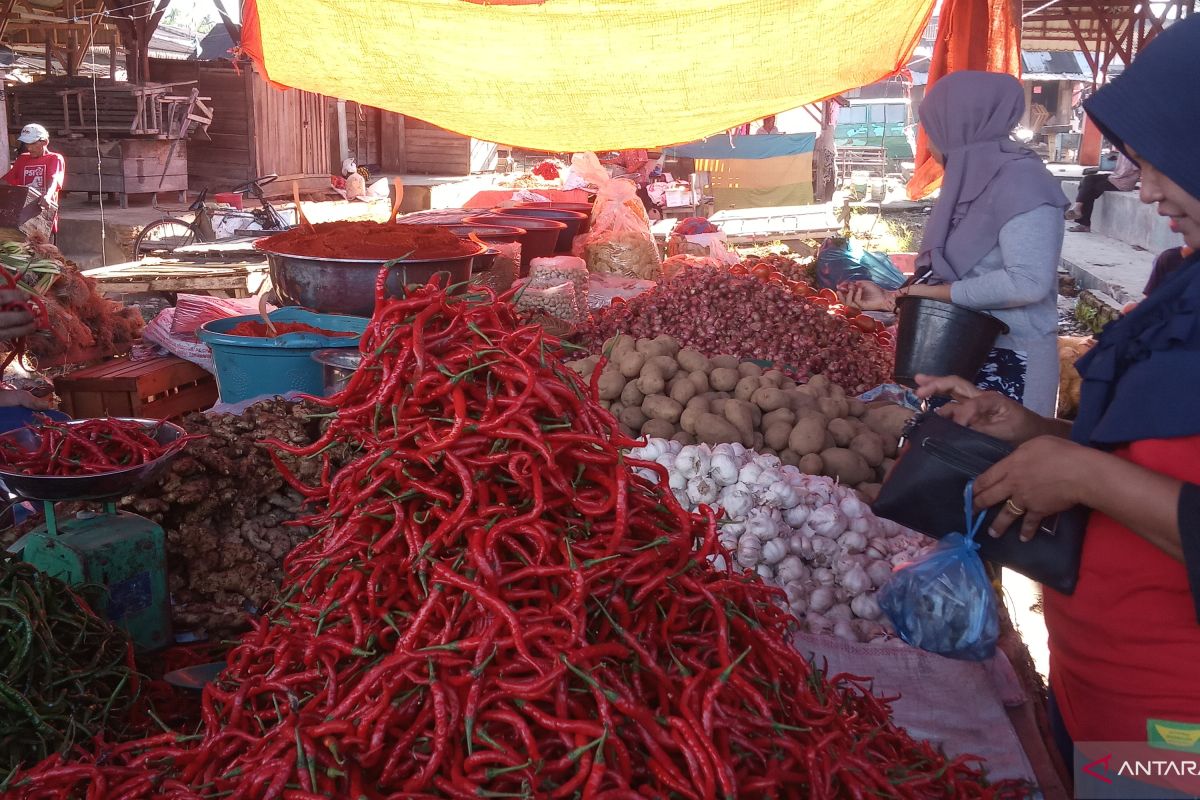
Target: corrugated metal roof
[{"x": 1054, "y": 65}]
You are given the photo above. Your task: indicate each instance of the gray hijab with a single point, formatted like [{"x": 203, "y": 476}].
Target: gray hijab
[{"x": 989, "y": 179}]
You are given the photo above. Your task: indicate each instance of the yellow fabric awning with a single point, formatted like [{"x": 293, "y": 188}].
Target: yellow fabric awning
[{"x": 571, "y": 75}]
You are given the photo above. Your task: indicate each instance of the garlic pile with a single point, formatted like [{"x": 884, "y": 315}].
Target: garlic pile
[{"x": 808, "y": 535}]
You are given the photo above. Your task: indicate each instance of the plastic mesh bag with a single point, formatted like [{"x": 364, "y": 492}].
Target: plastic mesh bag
[
  {"x": 843, "y": 260},
  {"x": 619, "y": 240},
  {"x": 557, "y": 301},
  {"x": 562, "y": 269},
  {"x": 943, "y": 602}
]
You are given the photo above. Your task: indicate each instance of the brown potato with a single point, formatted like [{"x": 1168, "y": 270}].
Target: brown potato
[
  {"x": 610, "y": 385},
  {"x": 666, "y": 366},
  {"x": 811, "y": 464},
  {"x": 633, "y": 417},
  {"x": 690, "y": 416},
  {"x": 842, "y": 432},
  {"x": 631, "y": 395},
  {"x": 748, "y": 369},
  {"x": 630, "y": 364},
  {"x": 869, "y": 445},
  {"x": 724, "y": 362},
  {"x": 745, "y": 388},
  {"x": 740, "y": 414},
  {"x": 807, "y": 436},
  {"x": 784, "y": 415},
  {"x": 847, "y": 466},
  {"x": 700, "y": 379},
  {"x": 777, "y": 435},
  {"x": 770, "y": 399},
  {"x": 662, "y": 408},
  {"x": 723, "y": 379},
  {"x": 790, "y": 458},
  {"x": 888, "y": 420},
  {"x": 693, "y": 360},
  {"x": 682, "y": 389},
  {"x": 658, "y": 429},
  {"x": 684, "y": 438},
  {"x": 712, "y": 429}
]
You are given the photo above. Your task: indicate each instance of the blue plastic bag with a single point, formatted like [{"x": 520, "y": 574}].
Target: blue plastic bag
[
  {"x": 944, "y": 602},
  {"x": 842, "y": 260}
]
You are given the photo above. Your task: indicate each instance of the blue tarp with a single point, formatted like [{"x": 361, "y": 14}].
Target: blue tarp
[{"x": 748, "y": 147}]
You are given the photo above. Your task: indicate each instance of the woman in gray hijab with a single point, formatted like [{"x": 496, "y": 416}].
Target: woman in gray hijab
[{"x": 994, "y": 237}]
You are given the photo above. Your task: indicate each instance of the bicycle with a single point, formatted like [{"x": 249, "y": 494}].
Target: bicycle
[{"x": 164, "y": 236}]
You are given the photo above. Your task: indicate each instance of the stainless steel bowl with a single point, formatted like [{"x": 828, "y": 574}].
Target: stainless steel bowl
[
  {"x": 106, "y": 486},
  {"x": 347, "y": 285},
  {"x": 338, "y": 366}
]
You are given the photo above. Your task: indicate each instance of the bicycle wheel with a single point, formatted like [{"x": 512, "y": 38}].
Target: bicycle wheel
[{"x": 161, "y": 237}]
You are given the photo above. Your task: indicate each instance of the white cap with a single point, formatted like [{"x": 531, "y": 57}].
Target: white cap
[
  {"x": 33, "y": 133},
  {"x": 349, "y": 167}
]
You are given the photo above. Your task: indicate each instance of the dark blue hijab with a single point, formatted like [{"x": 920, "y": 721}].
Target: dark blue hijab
[{"x": 1142, "y": 379}]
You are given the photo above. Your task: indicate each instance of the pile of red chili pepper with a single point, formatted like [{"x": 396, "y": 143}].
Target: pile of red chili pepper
[
  {"x": 496, "y": 606},
  {"x": 260, "y": 330},
  {"x": 546, "y": 170},
  {"x": 89, "y": 447},
  {"x": 33, "y": 304}
]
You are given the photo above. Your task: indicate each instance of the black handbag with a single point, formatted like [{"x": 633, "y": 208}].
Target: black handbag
[{"x": 924, "y": 492}]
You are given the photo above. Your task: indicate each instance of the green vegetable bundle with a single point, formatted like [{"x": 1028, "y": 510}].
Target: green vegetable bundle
[
  {"x": 65, "y": 673},
  {"x": 33, "y": 272}
]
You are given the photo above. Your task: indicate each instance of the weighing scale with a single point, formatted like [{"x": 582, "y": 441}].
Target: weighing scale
[{"x": 123, "y": 553}]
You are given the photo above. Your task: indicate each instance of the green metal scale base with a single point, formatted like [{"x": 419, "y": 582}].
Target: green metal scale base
[{"x": 121, "y": 552}]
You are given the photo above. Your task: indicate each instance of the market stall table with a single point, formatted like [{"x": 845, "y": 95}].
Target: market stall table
[
  {"x": 490, "y": 198},
  {"x": 751, "y": 225},
  {"x": 232, "y": 278}
]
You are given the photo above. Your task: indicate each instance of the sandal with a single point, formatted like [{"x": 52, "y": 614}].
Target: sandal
[{"x": 1081, "y": 229}]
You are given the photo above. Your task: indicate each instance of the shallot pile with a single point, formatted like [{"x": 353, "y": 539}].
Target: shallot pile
[
  {"x": 808, "y": 535},
  {"x": 495, "y": 605},
  {"x": 715, "y": 312}
]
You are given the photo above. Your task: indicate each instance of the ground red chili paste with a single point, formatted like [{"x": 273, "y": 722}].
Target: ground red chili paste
[
  {"x": 259, "y": 329},
  {"x": 369, "y": 240}
]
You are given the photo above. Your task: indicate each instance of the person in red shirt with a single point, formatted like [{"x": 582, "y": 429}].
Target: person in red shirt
[
  {"x": 1124, "y": 647},
  {"x": 39, "y": 167}
]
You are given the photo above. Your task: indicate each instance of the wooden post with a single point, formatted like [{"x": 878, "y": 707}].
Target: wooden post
[
  {"x": 4, "y": 160},
  {"x": 343, "y": 134}
]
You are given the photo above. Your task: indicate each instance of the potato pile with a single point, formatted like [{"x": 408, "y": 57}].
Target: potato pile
[{"x": 657, "y": 389}]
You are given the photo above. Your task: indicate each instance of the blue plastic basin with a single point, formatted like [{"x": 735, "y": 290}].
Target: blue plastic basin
[{"x": 253, "y": 366}]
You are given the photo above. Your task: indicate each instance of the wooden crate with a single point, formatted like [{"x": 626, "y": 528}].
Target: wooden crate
[
  {"x": 127, "y": 166},
  {"x": 163, "y": 387}
]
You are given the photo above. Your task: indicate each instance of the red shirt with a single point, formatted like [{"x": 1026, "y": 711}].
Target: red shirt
[
  {"x": 44, "y": 173},
  {"x": 1124, "y": 648}
]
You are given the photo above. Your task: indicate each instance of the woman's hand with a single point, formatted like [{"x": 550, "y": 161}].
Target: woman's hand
[
  {"x": 15, "y": 324},
  {"x": 952, "y": 386},
  {"x": 987, "y": 412},
  {"x": 1043, "y": 477},
  {"x": 867, "y": 296}
]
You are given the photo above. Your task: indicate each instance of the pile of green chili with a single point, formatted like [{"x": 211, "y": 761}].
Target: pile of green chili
[{"x": 65, "y": 673}]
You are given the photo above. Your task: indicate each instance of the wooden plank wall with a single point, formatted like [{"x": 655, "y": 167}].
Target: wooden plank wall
[
  {"x": 430, "y": 150},
  {"x": 290, "y": 131},
  {"x": 226, "y": 160},
  {"x": 363, "y": 132}
]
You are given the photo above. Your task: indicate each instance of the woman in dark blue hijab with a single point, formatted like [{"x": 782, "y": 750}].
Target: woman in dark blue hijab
[{"x": 1124, "y": 647}]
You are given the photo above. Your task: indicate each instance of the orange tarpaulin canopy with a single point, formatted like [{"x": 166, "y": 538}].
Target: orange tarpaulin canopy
[
  {"x": 572, "y": 75},
  {"x": 980, "y": 35}
]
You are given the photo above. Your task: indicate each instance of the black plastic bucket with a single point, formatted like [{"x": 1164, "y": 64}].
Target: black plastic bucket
[
  {"x": 939, "y": 338},
  {"x": 574, "y": 220}
]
